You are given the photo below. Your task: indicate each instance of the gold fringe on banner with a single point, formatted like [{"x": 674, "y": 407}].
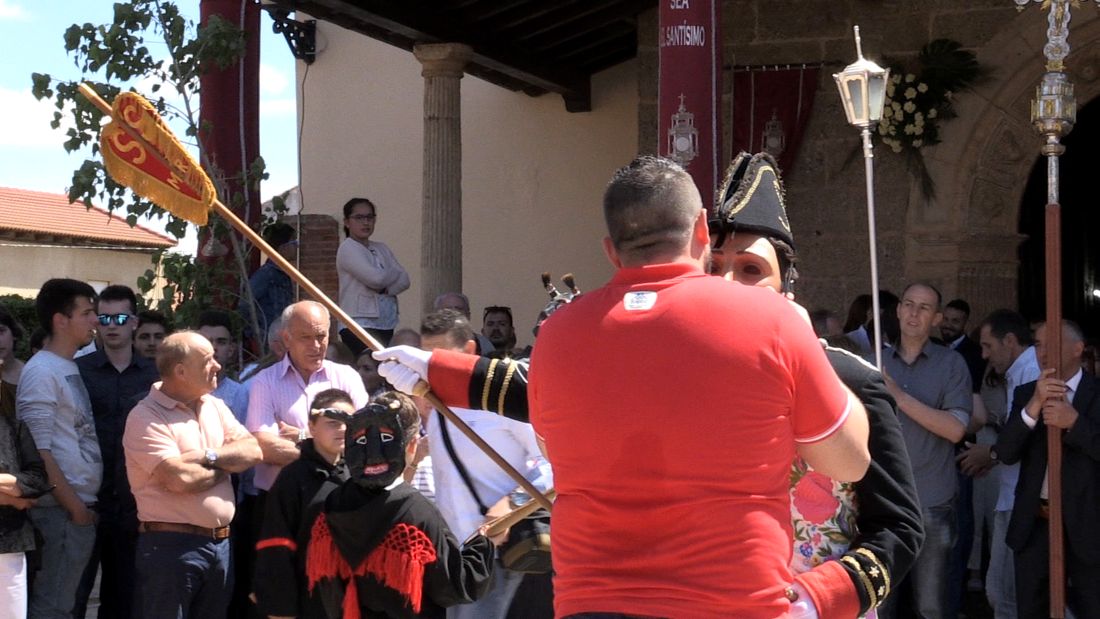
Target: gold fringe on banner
[{"x": 188, "y": 197}]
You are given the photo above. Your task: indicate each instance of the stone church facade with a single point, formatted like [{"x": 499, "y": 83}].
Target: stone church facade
[{"x": 964, "y": 239}]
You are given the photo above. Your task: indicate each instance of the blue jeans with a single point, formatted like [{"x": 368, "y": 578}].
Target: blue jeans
[
  {"x": 926, "y": 583},
  {"x": 494, "y": 604},
  {"x": 64, "y": 555},
  {"x": 180, "y": 575}
]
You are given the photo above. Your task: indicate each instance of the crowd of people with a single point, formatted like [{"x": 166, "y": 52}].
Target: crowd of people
[{"x": 715, "y": 450}]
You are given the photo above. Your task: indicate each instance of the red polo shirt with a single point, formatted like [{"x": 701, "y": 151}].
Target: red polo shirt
[{"x": 671, "y": 402}]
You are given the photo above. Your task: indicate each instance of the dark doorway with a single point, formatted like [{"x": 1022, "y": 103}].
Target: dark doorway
[{"x": 1080, "y": 199}]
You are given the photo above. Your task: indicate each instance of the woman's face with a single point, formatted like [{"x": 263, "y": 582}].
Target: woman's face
[
  {"x": 7, "y": 343},
  {"x": 360, "y": 222},
  {"x": 749, "y": 259}
]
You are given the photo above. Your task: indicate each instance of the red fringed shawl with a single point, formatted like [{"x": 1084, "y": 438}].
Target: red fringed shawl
[{"x": 397, "y": 562}]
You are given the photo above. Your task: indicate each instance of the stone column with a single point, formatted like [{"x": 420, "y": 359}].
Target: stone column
[{"x": 441, "y": 227}]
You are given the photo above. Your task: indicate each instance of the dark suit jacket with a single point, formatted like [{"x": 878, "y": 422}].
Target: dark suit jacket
[
  {"x": 972, "y": 352},
  {"x": 1080, "y": 471}
]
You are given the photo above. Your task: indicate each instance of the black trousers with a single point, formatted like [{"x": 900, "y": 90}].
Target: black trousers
[{"x": 1033, "y": 579}]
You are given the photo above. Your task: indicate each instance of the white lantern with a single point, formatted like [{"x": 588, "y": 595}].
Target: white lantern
[{"x": 862, "y": 87}]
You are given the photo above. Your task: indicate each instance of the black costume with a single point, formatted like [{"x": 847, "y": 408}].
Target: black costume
[
  {"x": 285, "y": 530},
  {"x": 889, "y": 516},
  {"x": 1027, "y": 530},
  {"x": 404, "y": 559},
  {"x": 354, "y": 544}
]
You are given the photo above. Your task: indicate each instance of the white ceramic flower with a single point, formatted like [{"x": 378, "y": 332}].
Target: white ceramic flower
[
  {"x": 909, "y": 107},
  {"x": 896, "y": 148},
  {"x": 910, "y": 78},
  {"x": 932, "y": 113},
  {"x": 918, "y": 143},
  {"x": 922, "y": 87},
  {"x": 918, "y": 130},
  {"x": 910, "y": 93}
]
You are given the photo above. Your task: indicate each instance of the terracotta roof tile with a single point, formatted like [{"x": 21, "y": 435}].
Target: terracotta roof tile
[{"x": 38, "y": 212}]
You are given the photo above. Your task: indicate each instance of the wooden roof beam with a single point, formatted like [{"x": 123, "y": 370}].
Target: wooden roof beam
[{"x": 403, "y": 25}]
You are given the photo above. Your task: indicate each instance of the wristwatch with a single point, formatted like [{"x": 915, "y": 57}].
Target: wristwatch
[{"x": 211, "y": 459}]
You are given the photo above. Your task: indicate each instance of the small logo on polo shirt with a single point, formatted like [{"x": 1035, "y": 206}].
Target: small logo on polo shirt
[{"x": 639, "y": 301}]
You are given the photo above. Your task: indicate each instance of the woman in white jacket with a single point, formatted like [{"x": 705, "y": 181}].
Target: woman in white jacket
[{"x": 370, "y": 277}]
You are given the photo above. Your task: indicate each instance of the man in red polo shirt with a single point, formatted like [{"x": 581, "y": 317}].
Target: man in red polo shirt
[{"x": 672, "y": 404}]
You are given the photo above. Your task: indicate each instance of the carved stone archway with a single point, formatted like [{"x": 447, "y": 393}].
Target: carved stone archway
[{"x": 967, "y": 237}]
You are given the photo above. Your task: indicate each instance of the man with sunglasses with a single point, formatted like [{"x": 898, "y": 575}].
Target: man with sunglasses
[{"x": 116, "y": 377}]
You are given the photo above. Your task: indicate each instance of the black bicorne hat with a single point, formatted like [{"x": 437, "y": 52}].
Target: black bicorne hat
[{"x": 750, "y": 199}]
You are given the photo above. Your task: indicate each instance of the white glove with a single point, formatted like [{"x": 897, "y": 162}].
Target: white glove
[
  {"x": 403, "y": 366},
  {"x": 401, "y": 377}
]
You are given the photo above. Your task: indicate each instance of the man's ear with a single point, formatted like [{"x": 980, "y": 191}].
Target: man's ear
[
  {"x": 611, "y": 253},
  {"x": 700, "y": 233},
  {"x": 937, "y": 319},
  {"x": 470, "y": 347}
]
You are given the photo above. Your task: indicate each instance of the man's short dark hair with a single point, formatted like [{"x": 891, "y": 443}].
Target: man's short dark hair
[
  {"x": 499, "y": 309},
  {"x": 406, "y": 411},
  {"x": 450, "y": 323},
  {"x": 218, "y": 318},
  {"x": 58, "y": 296},
  {"x": 650, "y": 207},
  {"x": 819, "y": 318},
  {"x": 118, "y": 292},
  {"x": 278, "y": 234},
  {"x": 328, "y": 397},
  {"x": 1001, "y": 322},
  {"x": 154, "y": 317},
  {"x": 9, "y": 321},
  {"x": 958, "y": 304}
]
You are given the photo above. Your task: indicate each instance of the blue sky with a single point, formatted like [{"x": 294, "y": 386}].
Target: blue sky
[{"x": 31, "y": 155}]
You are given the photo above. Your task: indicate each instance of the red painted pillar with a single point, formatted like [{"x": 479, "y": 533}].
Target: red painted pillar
[{"x": 229, "y": 116}]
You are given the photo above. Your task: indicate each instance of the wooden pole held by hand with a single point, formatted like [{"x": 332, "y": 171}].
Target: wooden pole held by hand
[{"x": 423, "y": 388}]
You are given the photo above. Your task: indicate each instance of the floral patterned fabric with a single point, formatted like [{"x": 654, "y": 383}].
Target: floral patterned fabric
[{"x": 823, "y": 517}]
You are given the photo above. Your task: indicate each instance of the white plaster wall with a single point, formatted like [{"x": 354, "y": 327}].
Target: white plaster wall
[
  {"x": 27, "y": 268},
  {"x": 533, "y": 174}
]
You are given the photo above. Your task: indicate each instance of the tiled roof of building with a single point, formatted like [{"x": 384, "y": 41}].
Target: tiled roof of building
[{"x": 36, "y": 216}]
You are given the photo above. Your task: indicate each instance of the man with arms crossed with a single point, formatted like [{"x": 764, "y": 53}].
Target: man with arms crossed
[{"x": 181, "y": 444}]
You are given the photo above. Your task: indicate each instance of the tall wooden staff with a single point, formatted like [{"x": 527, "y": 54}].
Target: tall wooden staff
[
  {"x": 1053, "y": 112},
  {"x": 140, "y": 152}
]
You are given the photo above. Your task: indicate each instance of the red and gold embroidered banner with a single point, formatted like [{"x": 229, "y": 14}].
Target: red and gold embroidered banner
[
  {"x": 770, "y": 110},
  {"x": 687, "y": 109},
  {"x": 157, "y": 167}
]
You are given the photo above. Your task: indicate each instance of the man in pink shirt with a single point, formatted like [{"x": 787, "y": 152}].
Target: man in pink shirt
[
  {"x": 279, "y": 395},
  {"x": 181, "y": 444}
]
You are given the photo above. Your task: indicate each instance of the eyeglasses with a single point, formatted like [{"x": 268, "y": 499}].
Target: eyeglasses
[
  {"x": 120, "y": 319},
  {"x": 363, "y": 217}
]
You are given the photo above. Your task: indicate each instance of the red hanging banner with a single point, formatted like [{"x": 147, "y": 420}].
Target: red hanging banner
[
  {"x": 687, "y": 109},
  {"x": 771, "y": 107}
]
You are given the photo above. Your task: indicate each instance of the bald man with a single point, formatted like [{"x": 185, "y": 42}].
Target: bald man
[
  {"x": 181, "y": 444},
  {"x": 279, "y": 395}
]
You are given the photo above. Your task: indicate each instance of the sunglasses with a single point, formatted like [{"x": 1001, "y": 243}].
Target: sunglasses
[{"x": 120, "y": 319}]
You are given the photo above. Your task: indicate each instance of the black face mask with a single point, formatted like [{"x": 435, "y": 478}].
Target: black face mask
[{"x": 374, "y": 447}]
